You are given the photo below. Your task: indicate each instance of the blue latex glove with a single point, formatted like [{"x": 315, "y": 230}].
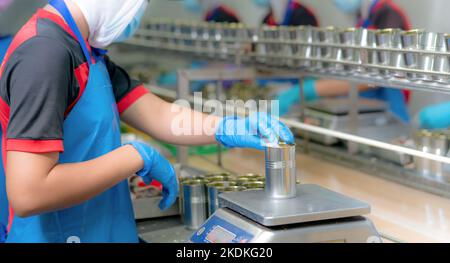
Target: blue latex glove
[
  {"x": 156, "y": 167},
  {"x": 435, "y": 117},
  {"x": 292, "y": 96},
  {"x": 256, "y": 132}
]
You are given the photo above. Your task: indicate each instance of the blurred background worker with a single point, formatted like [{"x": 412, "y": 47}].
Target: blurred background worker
[
  {"x": 287, "y": 13},
  {"x": 373, "y": 14},
  {"x": 214, "y": 11}
]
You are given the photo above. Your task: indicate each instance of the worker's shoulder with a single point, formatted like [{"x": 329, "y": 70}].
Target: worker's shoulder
[{"x": 40, "y": 48}]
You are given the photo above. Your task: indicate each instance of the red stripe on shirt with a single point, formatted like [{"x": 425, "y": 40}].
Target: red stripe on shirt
[
  {"x": 131, "y": 98},
  {"x": 34, "y": 146},
  {"x": 82, "y": 75}
]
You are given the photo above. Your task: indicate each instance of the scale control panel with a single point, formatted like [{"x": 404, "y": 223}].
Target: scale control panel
[{"x": 218, "y": 230}]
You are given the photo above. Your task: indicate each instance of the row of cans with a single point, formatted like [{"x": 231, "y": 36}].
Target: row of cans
[
  {"x": 416, "y": 55},
  {"x": 199, "y": 194},
  {"x": 435, "y": 142}
]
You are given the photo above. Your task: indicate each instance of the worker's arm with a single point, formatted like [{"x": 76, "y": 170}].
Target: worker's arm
[
  {"x": 183, "y": 126},
  {"x": 36, "y": 183},
  {"x": 334, "y": 88},
  {"x": 170, "y": 122}
]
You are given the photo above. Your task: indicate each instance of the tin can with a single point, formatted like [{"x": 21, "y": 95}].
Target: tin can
[
  {"x": 410, "y": 41},
  {"x": 329, "y": 36},
  {"x": 306, "y": 36},
  {"x": 440, "y": 147},
  {"x": 428, "y": 42},
  {"x": 384, "y": 39},
  {"x": 423, "y": 141},
  {"x": 442, "y": 63},
  {"x": 254, "y": 185},
  {"x": 195, "y": 211},
  {"x": 280, "y": 171},
  {"x": 397, "y": 58},
  {"x": 213, "y": 190}
]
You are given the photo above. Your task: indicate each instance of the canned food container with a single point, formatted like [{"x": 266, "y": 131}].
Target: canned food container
[
  {"x": 442, "y": 63},
  {"x": 234, "y": 189},
  {"x": 428, "y": 42},
  {"x": 262, "y": 48},
  {"x": 372, "y": 54},
  {"x": 289, "y": 35},
  {"x": 213, "y": 190},
  {"x": 306, "y": 35},
  {"x": 242, "y": 180},
  {"x": 361, "y": 54},
  {"x": 195, "y": 210},
  {"x": 384, "y": 38},
  {"x": 329, "y": 36},
  {"x": 280, "y": 171},
  {"x": 348, "y": 38},
  {"x": 254, "y": 185},
  {"x": 440, "y": 147},
  {"x": 410, "y": 41},
  {"x": 397, "y": 58},
  {"x": 423, "y": 141}
]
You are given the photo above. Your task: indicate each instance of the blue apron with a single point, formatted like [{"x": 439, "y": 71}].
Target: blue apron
[
  {"x": 91, "y": 130},
  {"x": 4, "y": 206},
  {"x": 393, "y": 97}
]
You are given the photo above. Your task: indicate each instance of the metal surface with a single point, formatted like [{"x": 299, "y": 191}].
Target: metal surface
[
  {"x": 145, "y": 208},
  {"x": 227, "y": 226},
  {"x": 163, "y": 230},
  {"x": 313, "y": 203},
  {"x": 195, "y": 210},
  {"x": 280, "y": 171}
]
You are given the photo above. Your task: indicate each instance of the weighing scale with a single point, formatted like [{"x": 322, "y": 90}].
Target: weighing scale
[{"x": 315, "y": 215}]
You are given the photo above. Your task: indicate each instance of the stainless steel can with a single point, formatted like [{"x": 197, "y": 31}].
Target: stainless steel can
[
  {"x": 306, "y": 35},
  {"x": 440, "y": 147},
  {"x": 384, "y": 39},
  {"x": 428, "y": 42},
  {"x": 213, "y": 190},
  {"x": 370, "y": 55},
  {"x": 348, "y": 38},
  {"x": 280, "y": 171},
  {"x": 397, "y": 58},
  {"x": 254, "y": 185},
  {"x": 361, "y": 52},
  {"x": 289, "y": 35},
  {"x": 442, "y": 63},
  {"x": 410, "y": 41},
  {"x": 423, "y": 141},
  {"x": 329, "y": 36},
  {"x": 195, "y": 211}
]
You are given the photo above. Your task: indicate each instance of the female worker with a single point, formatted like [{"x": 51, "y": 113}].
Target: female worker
[
  {"x": 215, "y": 10},
  {"x": 373, "y": 14},
  {"x": 61, "y": 101}
]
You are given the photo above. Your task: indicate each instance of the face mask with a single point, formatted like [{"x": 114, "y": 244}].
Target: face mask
[
  {"x": 348, "y": 6},
  {"x": 133, "y": 26},
  {"x": 109, "y": 20},
  {"x": 193, "y": 5},
  {"x": 262, "y": 3}
]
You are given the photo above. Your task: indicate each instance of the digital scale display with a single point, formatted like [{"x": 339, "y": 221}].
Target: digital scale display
[
  {"x": 218, "y": 230},
  {"x": 220, "y": 235}
]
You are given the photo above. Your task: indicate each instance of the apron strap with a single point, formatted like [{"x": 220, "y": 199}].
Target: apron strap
[{"x": 61, "y": 6}]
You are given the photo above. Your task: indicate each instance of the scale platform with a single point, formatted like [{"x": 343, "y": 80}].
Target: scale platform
[
  {"x": 316, "y": 215},
  {"x": 313, "y": 203}
]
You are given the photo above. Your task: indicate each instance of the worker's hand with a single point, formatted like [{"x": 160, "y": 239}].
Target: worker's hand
[
  {"x": 292, "y": 96},
  {"x": 256, "y": 132},
  {"x": 435, "y": 117},
  {"x": 158, "y": 168}
]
